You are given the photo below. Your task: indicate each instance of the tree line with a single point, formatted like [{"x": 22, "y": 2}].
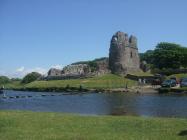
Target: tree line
[
  {"x": 166, "y": 56},
  {"x": 30, "y": 77}
]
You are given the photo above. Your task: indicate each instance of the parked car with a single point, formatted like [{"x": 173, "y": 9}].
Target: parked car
[
  {"x": 176, "y": 79},
  {"x": 183, "y": 82},
  {"x": 169, "y": 83}
]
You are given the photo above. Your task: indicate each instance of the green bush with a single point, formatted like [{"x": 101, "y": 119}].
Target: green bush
[
  {"x": 4, "y": 80},
  {"x": 31, "y": 77},
  {"x": 166, "y": 55}
]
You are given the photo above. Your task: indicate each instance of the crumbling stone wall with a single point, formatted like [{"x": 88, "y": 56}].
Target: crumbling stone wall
[
  {"x": 79, "y": 69},
  {"x": 54, "y": 72}
]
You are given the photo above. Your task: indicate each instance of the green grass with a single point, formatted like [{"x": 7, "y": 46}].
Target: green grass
[
  {"x": 17, "y": 125},
  {"x": 182, "y": 90},
  {"x": 12, "y": 85},
  {"x": 107, "y": 82},
  {"x": 142, "y": 74},
  {"x": 183, "y": 75}
]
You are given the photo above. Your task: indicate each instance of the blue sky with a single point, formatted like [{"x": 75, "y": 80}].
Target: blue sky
[{"x": 38, "y": 34}]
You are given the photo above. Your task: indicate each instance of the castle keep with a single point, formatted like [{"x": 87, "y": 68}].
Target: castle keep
[
  {"x": 123, "y": 54},
  {"x": 123, "y": 59}
]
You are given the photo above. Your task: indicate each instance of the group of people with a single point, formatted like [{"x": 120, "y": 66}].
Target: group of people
[
  {"x": 1, "y": 89},
  {"x": 141, "y": 82}
]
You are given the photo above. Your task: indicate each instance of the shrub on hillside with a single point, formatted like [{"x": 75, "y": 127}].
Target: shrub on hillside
[
  {"x": 4, "y": 80},
  {"x": 31, "y": 77}
]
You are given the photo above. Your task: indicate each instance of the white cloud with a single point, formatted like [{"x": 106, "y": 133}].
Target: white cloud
[
  {"x": 37, "y": 69},
  {"x": 57, "y": 66},
  {"x": 2, "y": 73},
  {"x": 20, "y": 72},
  {"x": 21, "y": 69}
]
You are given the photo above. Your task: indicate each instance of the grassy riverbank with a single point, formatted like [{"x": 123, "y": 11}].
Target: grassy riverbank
[
  {"x": 182, "y": 90},
  {"x": 108, "y": 81},
  {"x": 56, "y": 126}
]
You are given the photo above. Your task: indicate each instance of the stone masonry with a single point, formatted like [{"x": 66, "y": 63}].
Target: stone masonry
[{"x": 123, "y": 54}]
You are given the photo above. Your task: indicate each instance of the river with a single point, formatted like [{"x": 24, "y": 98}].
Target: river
[{"x": 153, "y": 105}]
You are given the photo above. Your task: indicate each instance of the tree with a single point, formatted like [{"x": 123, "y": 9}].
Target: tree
[
  {"x": 31, "y": 77},
  {"x": 92, "y": 65},
  {"x": 184, "y": 57},
  {"x": 4, "y": 80},
  {"x": 16, "y": 79},
  {"x": 166, "y": 56},
  {"x": 169, "y": 55},
  {"x": 147, "y": 56}
]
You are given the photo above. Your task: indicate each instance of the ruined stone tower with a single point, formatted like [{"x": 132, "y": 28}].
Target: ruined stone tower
[{"x": 123, "y": 54}]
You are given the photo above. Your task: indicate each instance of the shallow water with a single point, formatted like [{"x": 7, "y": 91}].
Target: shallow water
[{"x": 98, "y": 104}]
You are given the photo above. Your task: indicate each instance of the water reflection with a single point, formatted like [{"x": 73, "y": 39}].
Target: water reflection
[{"x": 98, "y": 104}]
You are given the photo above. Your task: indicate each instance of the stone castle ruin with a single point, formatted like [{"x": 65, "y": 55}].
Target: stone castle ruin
[
  {"x": 123, "y": 59},
  {"x": 123, "y": 54},
  {"x": 80, "y": 70},
  {"x": 69, "y": 71}
]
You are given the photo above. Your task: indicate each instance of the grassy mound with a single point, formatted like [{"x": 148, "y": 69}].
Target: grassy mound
[
  {"x": 102, "y": 82},
  {"x": 183, "y": 75},
  {"x": 57, "y": 126},
  {"x": 13, "y": 85}
]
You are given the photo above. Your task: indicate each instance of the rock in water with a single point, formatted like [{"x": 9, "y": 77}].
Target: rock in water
[{"x": 123, "y": 54}]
